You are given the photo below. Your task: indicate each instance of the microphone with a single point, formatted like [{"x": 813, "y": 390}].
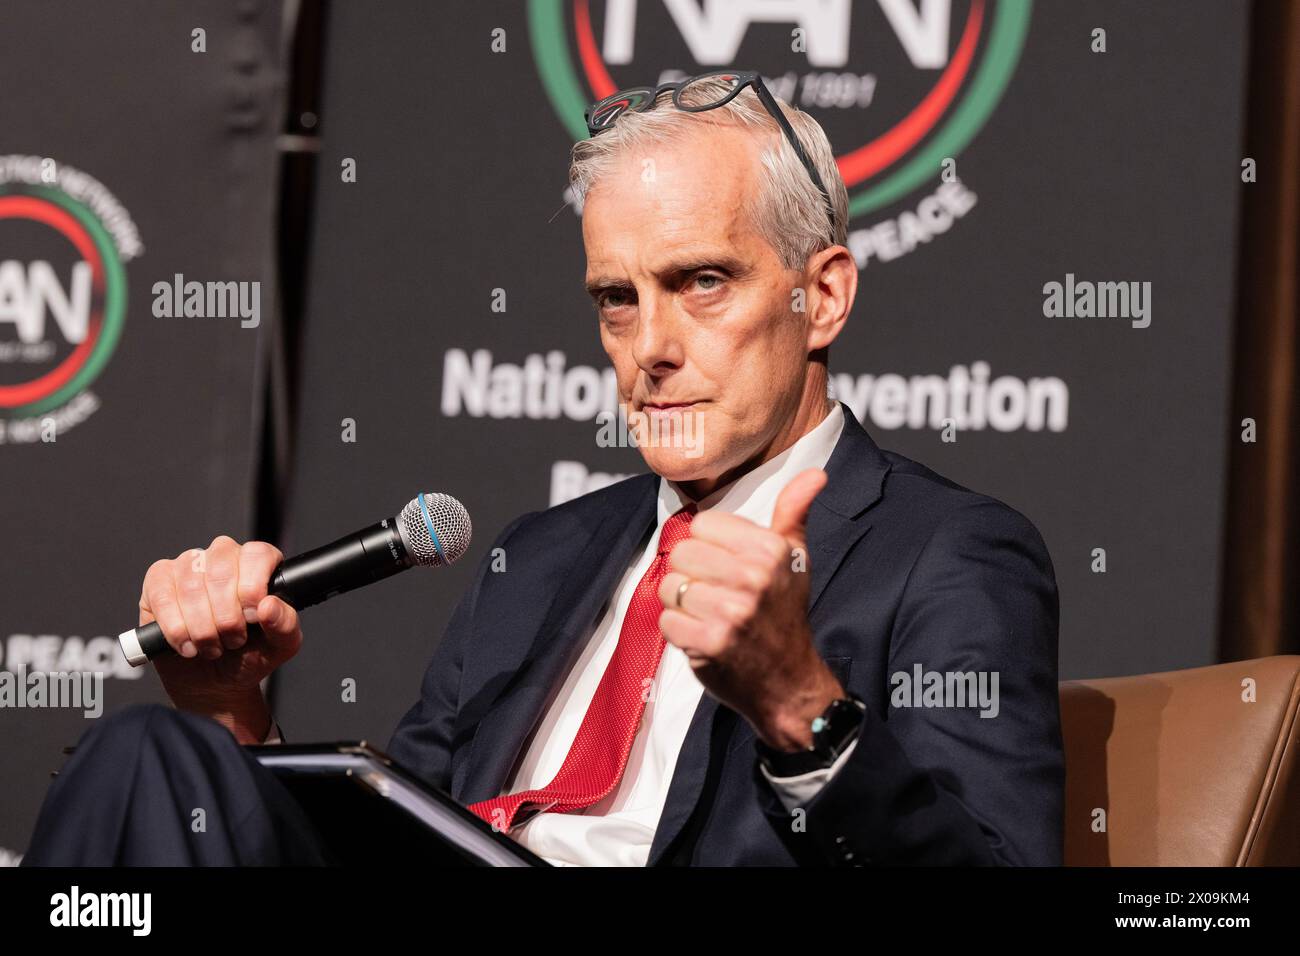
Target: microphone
[{"x": 432, "y": 530}]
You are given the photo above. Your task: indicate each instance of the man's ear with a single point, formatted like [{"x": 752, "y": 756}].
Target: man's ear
[{"x": 831, "y": 277}]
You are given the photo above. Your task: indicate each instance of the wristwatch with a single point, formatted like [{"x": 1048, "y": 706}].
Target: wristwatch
[{"x": 832, "y": 732}]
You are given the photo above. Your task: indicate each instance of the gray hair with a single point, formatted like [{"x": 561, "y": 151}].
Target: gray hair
[{"x": 789, "y": 211}]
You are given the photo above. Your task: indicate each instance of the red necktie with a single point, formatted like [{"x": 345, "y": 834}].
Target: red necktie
[{"x": 598, "y": 756}]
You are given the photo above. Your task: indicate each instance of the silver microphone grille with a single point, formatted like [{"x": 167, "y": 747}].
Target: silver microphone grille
[{"x": 436, "y": 534}]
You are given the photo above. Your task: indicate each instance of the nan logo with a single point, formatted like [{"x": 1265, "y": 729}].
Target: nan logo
[
  {"x": 901, "y": 87},
  {"x": 64, "y": 244}
]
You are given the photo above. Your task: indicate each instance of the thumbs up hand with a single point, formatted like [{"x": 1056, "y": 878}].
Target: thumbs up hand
[{"x": 743, "y": 617}]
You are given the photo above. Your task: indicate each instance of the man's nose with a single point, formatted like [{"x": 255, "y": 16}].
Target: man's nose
[{"x": 657, "y": 346}]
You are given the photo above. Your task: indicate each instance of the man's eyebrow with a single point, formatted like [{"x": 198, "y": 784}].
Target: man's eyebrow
[
  {"x": 696, "y": 262},
  {"x": 676, "y": 267},
  {"x": 604, "y": 283}
]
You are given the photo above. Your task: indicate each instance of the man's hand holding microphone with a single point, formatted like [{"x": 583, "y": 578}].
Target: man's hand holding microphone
[
  {"x": 228, "y": 632},
  {"x": 217, "y": 621}
]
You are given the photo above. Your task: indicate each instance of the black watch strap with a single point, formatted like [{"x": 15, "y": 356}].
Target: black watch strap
[{"x": 833, "y": 732}]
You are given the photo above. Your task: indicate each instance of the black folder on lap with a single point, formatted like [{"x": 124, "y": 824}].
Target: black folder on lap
[{"x": 370, "y": 811}]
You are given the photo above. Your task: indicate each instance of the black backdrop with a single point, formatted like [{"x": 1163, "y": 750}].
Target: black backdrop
[
  {"x": 1114, "y": 166},
  {"x": 184, "y": 142}
]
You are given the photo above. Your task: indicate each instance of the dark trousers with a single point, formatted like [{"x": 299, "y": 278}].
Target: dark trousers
[{"x": 131, "y": 794}]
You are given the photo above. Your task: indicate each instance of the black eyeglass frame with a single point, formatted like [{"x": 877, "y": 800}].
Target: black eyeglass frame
[{"x": 642, "y": 98}]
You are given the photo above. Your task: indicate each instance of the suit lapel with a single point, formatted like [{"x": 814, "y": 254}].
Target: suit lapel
[
  {"x": 837, "y": 520},
  {"x": 688, "y": 777},
  {"x": 601, "y": 551},
  {"x": 856, "y": 471}
]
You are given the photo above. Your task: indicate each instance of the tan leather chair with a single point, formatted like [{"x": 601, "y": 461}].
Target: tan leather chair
[{"x": 1187, "y": 771}]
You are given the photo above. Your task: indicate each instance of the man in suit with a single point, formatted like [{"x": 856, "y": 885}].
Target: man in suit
[{"x": 784, "y": 646}]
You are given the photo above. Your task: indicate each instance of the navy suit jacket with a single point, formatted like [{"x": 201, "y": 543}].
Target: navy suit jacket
[{"x": 907, "y": 568}]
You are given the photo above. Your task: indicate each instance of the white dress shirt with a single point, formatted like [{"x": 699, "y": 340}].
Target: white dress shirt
[{"x": 618, "y": 830}]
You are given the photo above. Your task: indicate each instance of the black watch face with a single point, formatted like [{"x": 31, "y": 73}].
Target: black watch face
[{"x": 842, "y": 719}]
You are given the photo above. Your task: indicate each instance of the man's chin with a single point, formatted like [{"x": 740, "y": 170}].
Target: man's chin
[{"x": 677, "y": 464}]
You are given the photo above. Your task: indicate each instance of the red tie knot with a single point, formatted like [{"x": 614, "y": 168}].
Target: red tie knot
[{"x": 675, "y": 529}]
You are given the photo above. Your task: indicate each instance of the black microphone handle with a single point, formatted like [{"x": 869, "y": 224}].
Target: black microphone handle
[{"x": 350, "y": 562}]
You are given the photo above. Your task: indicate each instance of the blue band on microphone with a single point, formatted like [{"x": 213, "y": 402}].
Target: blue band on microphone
[{"x": 428, "y": 524}]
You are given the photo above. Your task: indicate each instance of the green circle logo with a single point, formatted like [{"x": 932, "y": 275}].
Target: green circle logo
[{"x": 62, "y": 283}]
